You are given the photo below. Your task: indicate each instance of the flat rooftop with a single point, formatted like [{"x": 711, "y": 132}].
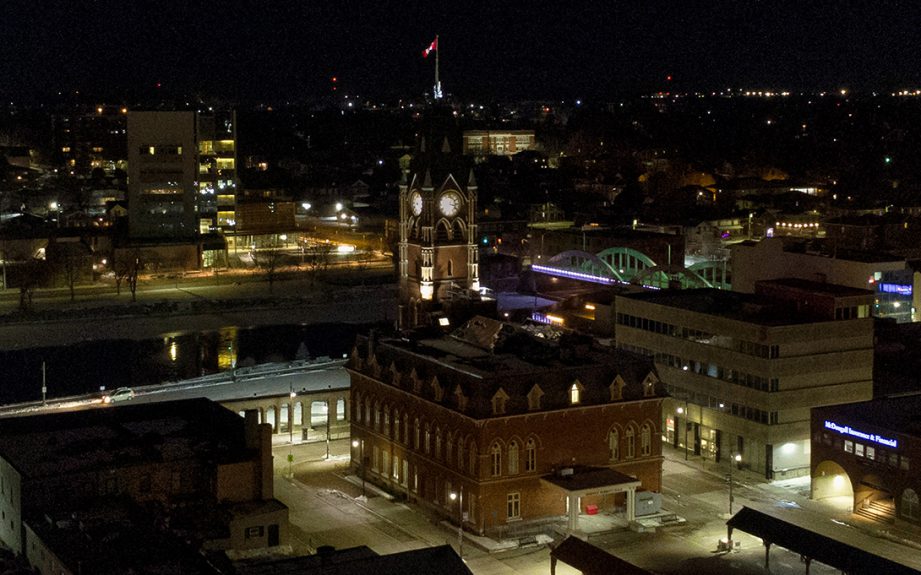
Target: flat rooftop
[
  {"x": 749, "y": 308},
  {"x": 123, "y": 435},
  {"x": 901, "y": 414}
]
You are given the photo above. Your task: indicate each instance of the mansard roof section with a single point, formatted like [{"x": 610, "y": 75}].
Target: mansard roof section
[{"x": 483, "y": 358}]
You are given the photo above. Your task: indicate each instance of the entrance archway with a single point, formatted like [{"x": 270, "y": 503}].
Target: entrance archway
[{"x": 831, "y": 484}]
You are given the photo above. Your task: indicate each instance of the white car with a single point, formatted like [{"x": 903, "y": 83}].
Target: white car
[{"x": 120, "y": 394}]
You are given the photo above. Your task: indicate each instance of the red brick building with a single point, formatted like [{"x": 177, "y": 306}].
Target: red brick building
[{"x": 493, "y": 410}]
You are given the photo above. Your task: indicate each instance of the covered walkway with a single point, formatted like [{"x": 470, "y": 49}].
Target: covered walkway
[{"x": 812, "y": 545}]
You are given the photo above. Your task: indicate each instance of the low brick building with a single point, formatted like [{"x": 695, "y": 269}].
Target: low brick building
[{"x": 491, "y": 411}]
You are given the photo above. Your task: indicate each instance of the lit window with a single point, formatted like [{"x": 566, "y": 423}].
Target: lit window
[
  {"x": 428, "y": 439},
  {"x": 848, "y": 446},
  {"x": 631, "y": 443},
  {"x": 574, "y": 393}
]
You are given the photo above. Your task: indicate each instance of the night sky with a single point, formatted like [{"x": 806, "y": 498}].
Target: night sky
[{"x": 278, "y": 50}]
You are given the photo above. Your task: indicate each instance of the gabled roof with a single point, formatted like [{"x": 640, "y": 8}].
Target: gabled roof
[{"x": 591, "y": 560}]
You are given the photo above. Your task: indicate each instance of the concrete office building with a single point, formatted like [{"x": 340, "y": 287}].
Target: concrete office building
[
  {"x": 744, "y": 370},
  {"x": 896, "y": 283}
]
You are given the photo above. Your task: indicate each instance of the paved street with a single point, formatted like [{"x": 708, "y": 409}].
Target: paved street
[{"x": 326, "y": 509}]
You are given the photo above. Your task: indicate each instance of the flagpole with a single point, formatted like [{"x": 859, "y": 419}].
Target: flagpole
[{"x": 437, "y": 81}]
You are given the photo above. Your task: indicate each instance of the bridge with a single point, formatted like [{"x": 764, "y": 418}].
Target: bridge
[
  {"x": 303, "y": 400},
  {"x": 622, "y": 266}
]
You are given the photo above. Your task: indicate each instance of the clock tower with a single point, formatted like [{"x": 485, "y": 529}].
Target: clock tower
[{"x": 438, "y": 249}]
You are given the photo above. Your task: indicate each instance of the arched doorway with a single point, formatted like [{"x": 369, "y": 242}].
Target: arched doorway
[{"x": 832, "y": 485}]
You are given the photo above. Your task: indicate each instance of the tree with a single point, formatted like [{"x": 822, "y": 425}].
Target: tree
[
  {"x": 269, "y": 261},
  {"x": 31, "y": 275},
  {"x": 127, "y": 270}
]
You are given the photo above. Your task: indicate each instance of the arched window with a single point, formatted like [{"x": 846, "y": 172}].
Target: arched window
[
  {"x": 460, "y": 453},
  {"x": 530, "y": 455},
  {"x": 449, "y": 448},
  {"x": 437, "y": 443},
  {"x": 405, "y": 428},
  {"x": 496, "y": 457},
  {"x": 377, "y": 416},
  {"x": 614, "y": 444},
  {"x": 513, "y": 458},
  {"x": 428, "y": 439},
  {"x": 575, "y": 393},
  {"x": 911, "y": 509},
  {"x": 396, "y": 425},
  {"x": 417, "y": 434},
  {"x": 473, "y": 458},
  {"x": 631, "y": 442},
  {"x": 646, "y": 440},
  {"x": 367, "y": 412},
  {"x": 387, "y": 421}
]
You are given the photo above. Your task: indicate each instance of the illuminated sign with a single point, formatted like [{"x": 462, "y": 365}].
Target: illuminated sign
[
  {"x": 900, "y": 289},
  {"x": 848, "y": 430}
]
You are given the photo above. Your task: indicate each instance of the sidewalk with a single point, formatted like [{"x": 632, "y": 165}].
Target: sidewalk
[{"x": 752, "y": 488}]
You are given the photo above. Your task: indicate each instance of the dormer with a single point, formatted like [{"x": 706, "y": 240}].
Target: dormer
[
  {"x": 534, "y": 397},
  {"x": 617, "y": 388},
  {"x": 499, "y": 399},
  {"x": 416, "y": 382},
  {"x": 375, "y": 367},
  {"x": 394, "y": 374},
  {"x": 575, "y": 392},
  {"x": 649, "y": 385},
  {"x": 437, "y": 391},
  {"x": 461, "y": 398},
  {"x": 355, "y": 358}
]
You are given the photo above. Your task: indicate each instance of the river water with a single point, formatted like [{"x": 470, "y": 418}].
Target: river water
[{"x": 90, "y": 366}]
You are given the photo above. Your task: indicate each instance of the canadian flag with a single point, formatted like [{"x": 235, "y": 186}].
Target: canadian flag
[{"x": 432, "y": 47}]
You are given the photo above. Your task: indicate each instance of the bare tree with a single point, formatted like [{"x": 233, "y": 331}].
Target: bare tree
[
  {"x": 127, "y": 270},
  {"x": 269, "y": 261},
  {"x": 31, "y": 275}
]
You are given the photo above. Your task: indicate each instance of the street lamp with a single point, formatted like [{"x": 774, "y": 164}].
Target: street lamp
[
  {"x": 460, "y": 520},
  {"x": 361, "y": 461},
  {"x": 684, "y": 410},
  {"x": 733, "y": 461},
  {"x": 292, "y": 395}
]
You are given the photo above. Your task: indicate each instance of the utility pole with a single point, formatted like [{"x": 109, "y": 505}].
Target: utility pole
[
  {"x": 44, "y": 385},
  {"x": 438, "y": 95}
]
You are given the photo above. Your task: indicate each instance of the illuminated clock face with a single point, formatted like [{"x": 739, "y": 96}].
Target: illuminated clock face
[
  {"x": 416, "y": 200},
  {"x": 449, "y": 204}
]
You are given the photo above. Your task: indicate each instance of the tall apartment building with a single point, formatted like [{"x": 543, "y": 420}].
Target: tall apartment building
[
  {"x": 181, "y": 173},
  {"x": 520, "y": 426},
  {"x": 744, "y": 370}
]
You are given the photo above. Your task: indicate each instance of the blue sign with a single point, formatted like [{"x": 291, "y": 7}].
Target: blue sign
[
  {"x": 848, "y": 430},
  {"x": 900, "y": 289}
]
